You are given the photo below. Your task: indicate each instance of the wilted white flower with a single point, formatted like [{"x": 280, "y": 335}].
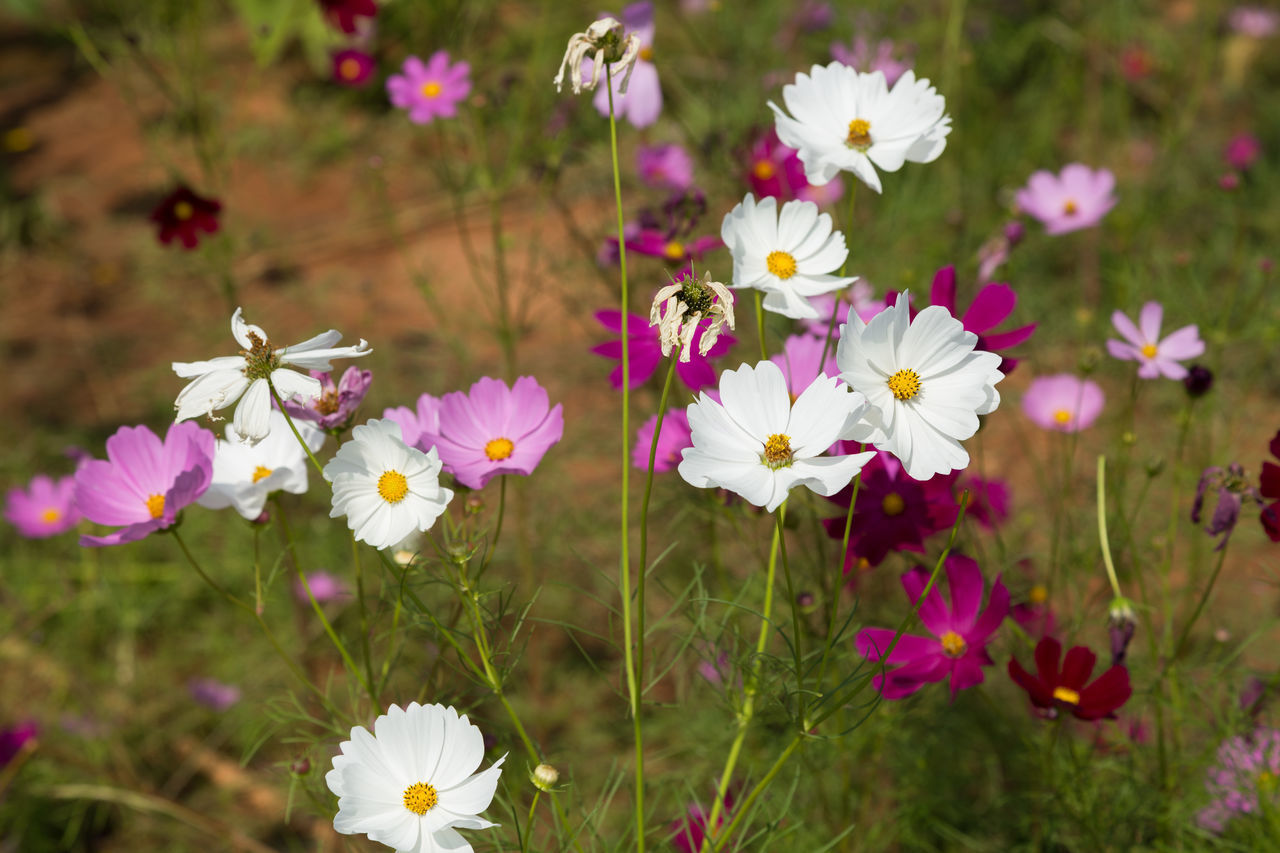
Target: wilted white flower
[
  {"x": 603, "y": 42},
  {"x": 678, "y": 308},
  {"x": 249, "y": 376},
  {"x": 244, "y": 474}
]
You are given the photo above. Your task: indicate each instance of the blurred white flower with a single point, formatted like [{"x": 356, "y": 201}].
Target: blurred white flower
[{"x": 244, "y": 474}]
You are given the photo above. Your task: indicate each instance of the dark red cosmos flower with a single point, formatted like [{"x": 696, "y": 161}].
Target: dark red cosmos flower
[
  {"x": 343, "y": 13},
  {"x": 183, "y": 214},
  {"x": 1270, "y": 488},
  {"x": 1053, "y": 688},
  {"x": 352, "y": 67}
]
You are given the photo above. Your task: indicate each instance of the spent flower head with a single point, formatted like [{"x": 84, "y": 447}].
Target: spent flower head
[
  {"x": 679, "y": 308},
  {"x": 603, "y": 43}
]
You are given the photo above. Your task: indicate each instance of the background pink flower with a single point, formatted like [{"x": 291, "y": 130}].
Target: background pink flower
[
  {"x": 801, "y": 362},
  {"x": 352, "y": 67},
  {"x": 430, "y": 91},
  {"x": 45, "y": 508},
  {"x": 642, "y": 103},
  {"x": 675, "y": 437},
  {"x": 1077, "y": 198},
  {"x": 496, "y": 430},
  {"x": 1142, "y": 343},
  {"x": 991, "y": 307},
  {"x": 1242, "y": 151},
  {"x": 858, "y": 55},
  {"x": 665, "y": 166},
  {"x": 1063, "y": 402},
  {"x": 774, "y": 169},
  {"x": 418, "y": 427},
  {"x": 337, "y": 403}
]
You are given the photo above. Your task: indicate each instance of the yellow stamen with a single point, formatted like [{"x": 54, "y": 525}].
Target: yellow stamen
[
  {"x": 393, "y": 486},
  {"x": 183, "y": 210},
  {"x": 1069, "y": 207},
  {"x": 764, "y": 170},
  {"x": 420, "y": 798},
  {"x": 431, "y": 90},
  {"x": 646, "y": 53},
  {"x": 859, "y": 134},
  {"x": 781, "y": 264},
  {"x": 905, "y": 384},
  {"x": 50, "y": 515},
  {"x": 260, "y": 473},
  {"x": 1062, "y": 416},
  {"x": 892, "y": 504},
  {"x": 1038, "y": 594},
  {"x": 349, "y": 69},
  {"x": 777, "y": 451},
  {"x": 953, "y": 645},
  {"x": 1066, "y": 694},
  {"x": 155, "y": 505},
  {"x": 1149, "y": 351},
  {"x": 674, "y": 250},
  {"x": 499, "y": 449}
]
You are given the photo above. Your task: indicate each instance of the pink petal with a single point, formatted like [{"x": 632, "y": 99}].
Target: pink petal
[
  {"x": 993, "y": 304},
  {"x": 943, "y": 291},
  {"x": 965, "y": 579},
  {"x": 1149, "y": 322},
  {"x": 1127, "y": 329}
]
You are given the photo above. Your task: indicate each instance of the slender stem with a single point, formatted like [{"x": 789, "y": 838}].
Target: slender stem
[
  {"x": 1102, "y": 527},
  {"x": 1195, "y": 614},
  {"x": 644, "y": 519},
  {"x": 796, "y": 644},
  {"x": 745, "y": 806},
  {"x": 364, "y": 619},
  {"x": 844, "y": 268},
  {"x": 528, "y": 835},
  {"x": 280, "y": 403},
  {"x": 764, "y": 352},
  {"x": 497, "y": 529}
]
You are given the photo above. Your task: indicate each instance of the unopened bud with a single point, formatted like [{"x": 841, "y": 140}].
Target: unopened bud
[
  {"x": 544, "y": 777},
  {"x": 300, "y": 766},
  {"x": 1198, "y": 381},
  {"x": 474, "y": 504},
  {"x": 1121, "y": 626}
]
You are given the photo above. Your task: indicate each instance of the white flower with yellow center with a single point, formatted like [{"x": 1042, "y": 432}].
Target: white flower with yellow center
[
  {"x": 924, "y": 382},
  {"x": 788, "y": 256},
  {"x": 244, "y": 474},
  {"x": 384, "y": 487},
  {"x": 249, "y": 376},
  {"x": 844, "y": 120},
  {"x": 413, "y": 782},
  {"x": 757, "y": 443}
]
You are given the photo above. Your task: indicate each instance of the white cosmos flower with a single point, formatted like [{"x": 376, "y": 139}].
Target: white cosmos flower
[
  {"x": 756, "y": 443},
  {"x": 413, "y": 781},
  {"x": 384, "y": 487},
  {"x": 924, "y": 381},
  {"x": 219, "y": 382},
  {"x": 244, "y": 474},
  {"x": 845, "y": 120},
  {"x": 787, "y": 256}
]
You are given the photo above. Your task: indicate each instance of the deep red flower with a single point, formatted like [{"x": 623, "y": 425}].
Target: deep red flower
[
  {"x": 1053, "y": 688},
  {"x": 1270, "y": 488},
  {"x": 343, "y": 13},
  {"x": 183, "y": 214},
  {"x": 352, "y": 67}
]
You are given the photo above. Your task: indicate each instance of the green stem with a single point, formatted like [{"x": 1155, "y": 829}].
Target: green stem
[
  {"x": 1102, "y": 527},
  {"x": 280, "y": 403},
  {"x": 497, "y": 529},
  {"x": 764, "y": 353},
  {"x": 364, "y": 619},
  {"x": 797, "y": 647},
  {"x": 844, "y": 268},
  {"x": 644, "y": 519},
  {"x": 744, "y": 807},
  {"x": 1195, "y": 614}
]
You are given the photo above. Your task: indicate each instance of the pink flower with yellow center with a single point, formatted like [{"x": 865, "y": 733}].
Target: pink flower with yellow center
[
  {"x": 1077, "y": 198},
  {"x": 432, "y": 90},
  {"x": 1142, "y": 343},
  {"x": 45, "y": 508},
  {"x": 1063, "y": 403}
]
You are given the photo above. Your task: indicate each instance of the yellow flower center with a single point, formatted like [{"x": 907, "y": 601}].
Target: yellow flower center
[
  {"x": 905, "y": 384},
  {"x": 349, "y": 69},
  {"x": 183, "y": 210},
  {"x": 646, "y": 53},
  {"x": 674, "y": 250},
  {"x": 420, "y": 798},
  {"x": 781, "y": 264},
  {"x": 1062, "y": 416},
  {"x": 892, "y": 504},
  {"x": 1069, "y": 207},
  {"x": 1149, "y": 351},
  {"x": 393, "y": 486},
  {"x": 1066, "y": 694},
  {"x": 261, "y": 473},
  {"x": 431, "y": 90},
  {"x": 764, "y": 169},
  {"x": 50, "y": 515},
  {"x": 1039, "y": 594},
  {"x": 499, "y": 449},
  {"x": 155, "y": 505},
  {"x": 859, "y": 134},
  {"x": 777, "y": 451},
  {"x": 953, "y": 644}
]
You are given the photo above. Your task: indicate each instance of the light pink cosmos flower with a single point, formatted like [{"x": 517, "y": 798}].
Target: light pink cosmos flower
[
  {"x": 325, "y": 586},
  {"x": 1078, "y": 198},
  {"x": 419, "y": 427},
  {"x": 1244, "y": 780},
  {"x": 859, "y": 55},
  {"x": 665, "y": 167},
  {"x": 860, "y": 298},
  {"x": 336, "y": 406},
  {"x": 641, "y": 104},
  {"x": 430, "y": 91},
  {"x": 45, "y": 508},
  {"x": 1142, "y": 343},
  {"x": 958, "y": 646},
  {"x": 496, "y": 430},
  {"x": 675, "y": 437},
  {"x": 1063, "y": 402},
  {"x": 144, "y": 482},
  {"x": 801, "y": 362},
  {"x": 1254, "y": 21}
]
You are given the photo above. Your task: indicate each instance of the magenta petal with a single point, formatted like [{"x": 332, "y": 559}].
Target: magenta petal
[
  {"x": 965, "y": 579},
  {"x": 993, "y": 304},
  {"x": 872, "y": 642},
  {"x": 1048, "y": 653},
  {"x": 905, "y": 680},
  {"x": 943, "y": 291},
  {"x": 1004, "y": 340},
  {"x": 696, "y": 373},
  {"x": 933, "y": 612},
  {"x": 124, "y": 535},
  {"x": 992, "y": 618},
  {"x": 612, "y": 320},
  {"x": 965, "y": 673}
]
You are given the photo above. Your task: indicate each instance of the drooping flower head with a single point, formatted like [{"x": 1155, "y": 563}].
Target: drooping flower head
[
  {"x": 637, "y": 94},
  {"x": 1142, "y": 343},
  {"x": 418, "y": 426},
  {"x": 219, "y": 382},
  {"x": 958, "y": 647},
  {"x": 352, "y": 67},
  {"x": 413, "y": 782},
  {"x": 494, "y": 429},
  {"x": 858, "y": 55},
  {"x": 645, "y": 352},
  {"x": 665, "y": 167},
  {"x": 1077, "y": 198},
  {"x": 1232, "y": 487},
  {"x": 672, "y": 441},
  {"x": 343, "y": 13},
  {"x": 335, "y": 406},
  {"x": 756, "y": 443},
  {"x": 843, "y": 120},
  {"x": 385, "y": 488},
  {"x": 1245, "y": 779},
  {"x": 144, "y": 482},
  {"x": 788, "y": 255},
  {"x": 46, "y": 507},
  {"x": 430, "y": 91},
  {"x": 679, "y": 308},
  {"x": 1053, "y": 688},
  {"x": 185, "y": 215},
  {"x": 774, "y": 170},
  {"x": 1063, "y": 402},
  {"x": 244, "y": 474},
  {"x": 603, "y": 43},
  {"x": 925, "y": 383}
]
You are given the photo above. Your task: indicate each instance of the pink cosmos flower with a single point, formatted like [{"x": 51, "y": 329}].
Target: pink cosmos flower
[
  {"x": 1063, "y": 402},
  {"x": 675, "y": 437},
  {"x": 145, "y": 482},
  {"x": 45, "y": 508},
  {"x": 352, "y": 67},
  {"x": 858, "y": 55},
  {"x": 665, "y": 167},
  {"x": 1078, "y": 198},
  {"x": 337, "y": 404},
  {"x": 494, "y": 430},
  {"x": 691, "y": 830},
  {"x": 1242, "y": 151},
  {"x": 1254, "y": 21},
  {"x": 419, "y": 427},
  {"x": 801, "y": 362},
  {"x": 991, "y": 307},
  {"x": 860, "y": 297},
  {"x": 430, "y": 91},
  {"x": 988, "y": 500},
  {"x": 646, "y": 352},
  {"x": 325, "y": 586},
  {"x": 642, "y": 103},
  {"x": 960, "y": 634},
  {"x": 1142, "y": 343},
  {"x": 775, "y": 170},
  {"x": 213, "y": 693},
  {"x": 13, "y": 740},
  {"x": 657, "y": 243},
  {"x": 1244, "y": 780}
]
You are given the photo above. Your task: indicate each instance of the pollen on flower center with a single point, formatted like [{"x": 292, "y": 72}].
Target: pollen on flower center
[
  {"x": 1069, "y": 207},
  {"x": 1066, "y": 694},
  {"x": 892, "y": 504},
  {"x": 260, "y": 359},
  {"x": 392, "y": 487},
  {"x": 155, "y": 505},
  {"x": 859, "y": 134},
  {"x": 1038, "y": 594},
  {"x": 50, "y": 515},
  {"x": 777, "y": 451},
  {"x": 674, "y": 250},
  {"x": 328, "y": 403},
  {"x": 420, "y": 798},
  {"x": 260, "y": 473},
  {"x": 183, "y": 210},
  {"x": 1062, "y": 416},
  {"x": 764, "y": 170},
  {"x": 781, "y": 264},
  {"x": 646, "y": 53},
  {"x": 1149, "y": 350},
  {"x": 431, "y": 90},
  {"x": 953, "y": 644},
  {"x": 905, "y": 384},
  {"x": 499, "y": 449}
]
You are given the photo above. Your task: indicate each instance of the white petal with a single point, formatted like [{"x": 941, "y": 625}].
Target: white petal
[{"x": 253, "y": 415}]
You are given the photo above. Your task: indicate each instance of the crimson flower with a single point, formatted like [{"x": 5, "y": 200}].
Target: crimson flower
[
  {"x": 343, "y": 13},
  {"x": 1270, "y": 488},
  {"x": 1054, "y": 688},
  {"x": 183, "y": 214}
]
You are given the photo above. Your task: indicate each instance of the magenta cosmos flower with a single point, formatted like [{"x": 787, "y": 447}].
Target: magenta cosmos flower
[
  {"x": 185, "y": 215},
  {"x": 1063, "y": 402},
  {"x": 691, "y": 830},
  {"x": 145, "y": 482},
  {"x": 646, "y": 352},
  {"x": 1242, "y": 151},
  {"x": 1243, "y": 782},
  {"x": 641, "y": 104},
  {"x": 1055, "y": 688},
  {"x": 14, "y": 739},
  {"x": 1142, "y": 343},
  {"x": 337, "y": 403},
  {"x": 418, "y": 426},
  {"x": 675, "y": 437},
  {"x": 991, "y": 307},
  {"x": 343, "y": 13},
  {"x": 958, "y": 646},
  {"x": 774, "y": 169},
  {"x": 352, "y": 67},
  {"x": 665, "y": 167},
  {"x": 430, "y": 91},
  {"x": 496, "y": 430},
  {"x": 1077, "y": 198},
  {"x": 45, "y": 508}
]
